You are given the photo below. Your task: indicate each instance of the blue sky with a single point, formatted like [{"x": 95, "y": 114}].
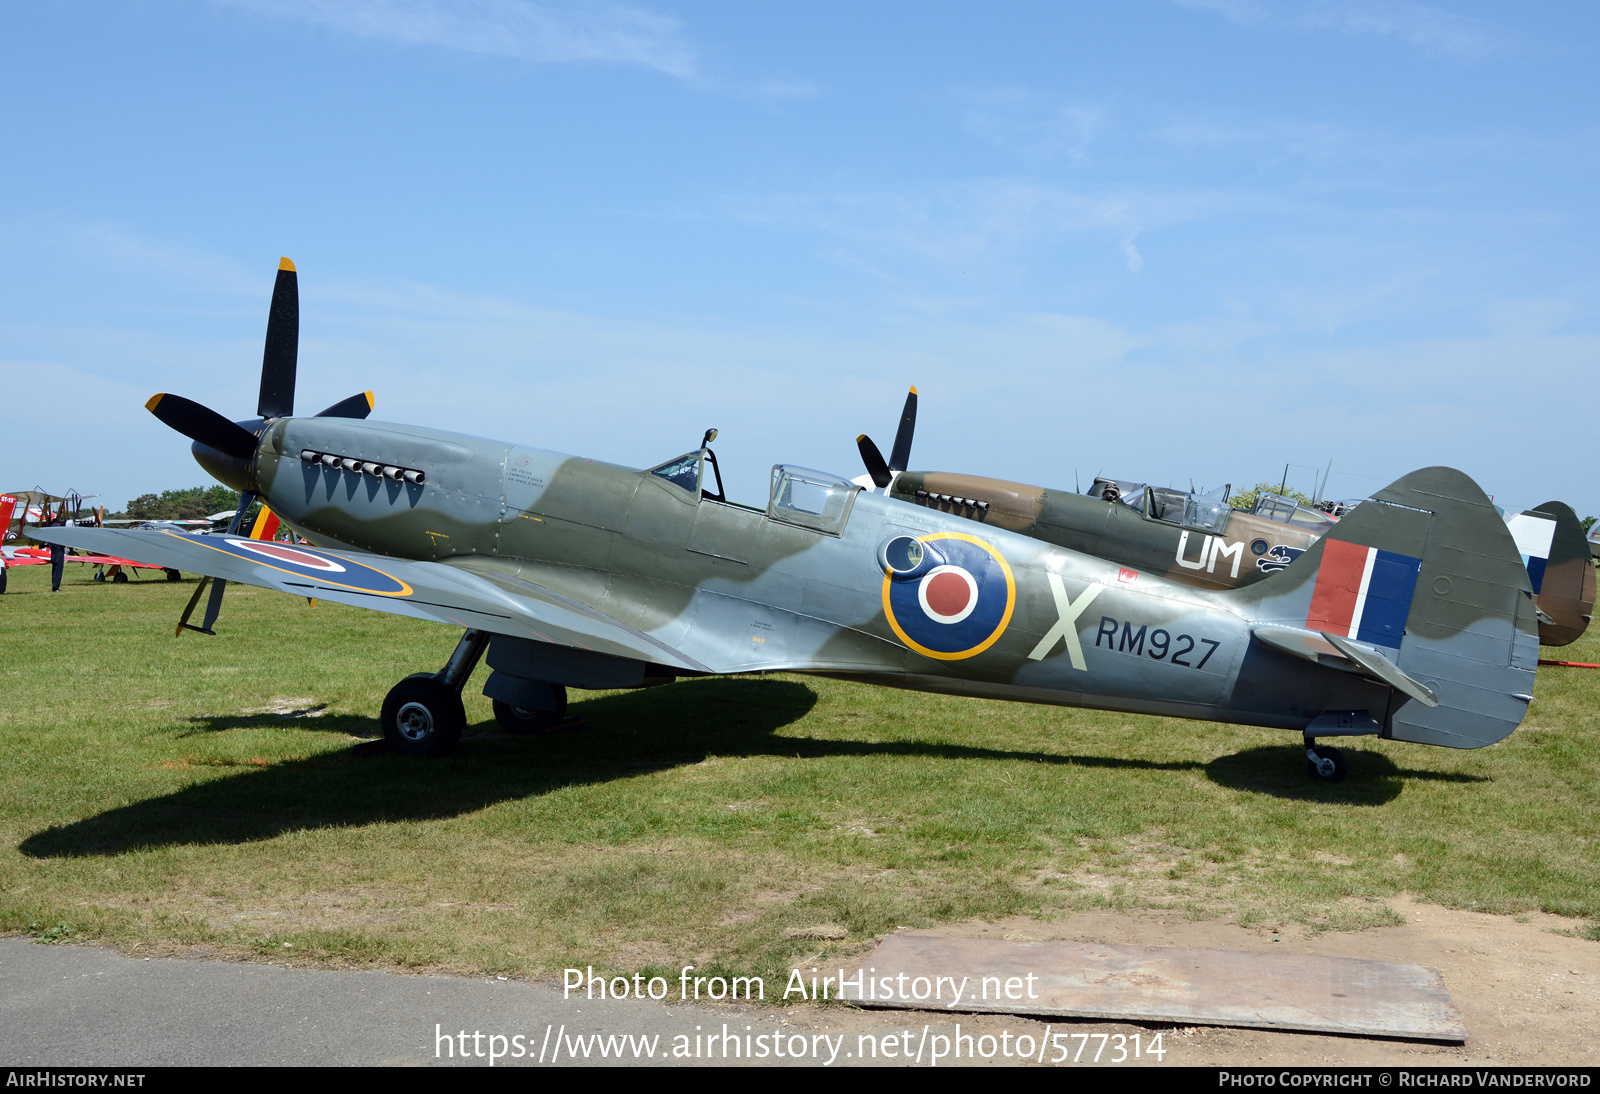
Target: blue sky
[{"x": 1169, "y": 241}]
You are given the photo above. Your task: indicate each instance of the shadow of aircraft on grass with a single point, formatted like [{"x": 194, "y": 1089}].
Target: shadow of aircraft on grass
[
  {"x": 311, "y": 718},
  {"x": 629, "y": 734},
  {"x": 1373, "y": 779}
]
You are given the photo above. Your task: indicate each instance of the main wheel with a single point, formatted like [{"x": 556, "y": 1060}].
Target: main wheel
[
  {"x": 99, "y": 575},
  {"x": 1322, "y": 770},
  {"x": 422, "y": 717},
  {"x": 120, "y": 578},
  {"x": 2, "y": 579},
  {"x": 173, "y": 575},
  {"x": 516, "y": 720}
]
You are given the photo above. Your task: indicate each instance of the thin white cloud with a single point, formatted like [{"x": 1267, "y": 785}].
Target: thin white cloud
[
  {"x": 1430, "y": 29},
  {"x": 544, "y": 32},
  {"x": 1030, "y": 125},
  {"x": 967, "y": 225}
]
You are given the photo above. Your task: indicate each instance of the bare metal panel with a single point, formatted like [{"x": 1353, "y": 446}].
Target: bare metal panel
[{"x": 1158, "y": 984}]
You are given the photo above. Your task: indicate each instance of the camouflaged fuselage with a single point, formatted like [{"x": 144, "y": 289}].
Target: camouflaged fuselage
[
  {"x": 736, "y": 590},
  {"x": 1246, "y": 549}
]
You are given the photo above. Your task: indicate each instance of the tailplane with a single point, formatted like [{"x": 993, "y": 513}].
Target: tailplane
[{"x": 1421, "y": 587}]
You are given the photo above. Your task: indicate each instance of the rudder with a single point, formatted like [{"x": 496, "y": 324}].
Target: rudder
[{"x": 1422, "y": 587}]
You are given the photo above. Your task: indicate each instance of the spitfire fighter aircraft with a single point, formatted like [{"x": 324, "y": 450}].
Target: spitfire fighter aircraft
[
  {"x": 1200, "y": 540},
  {"x": 1413, "y": 619}
]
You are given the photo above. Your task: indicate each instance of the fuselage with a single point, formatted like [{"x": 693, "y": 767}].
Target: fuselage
[
  {"x": 1208, "y": 546},
  {"x": 740, "y": 589}
]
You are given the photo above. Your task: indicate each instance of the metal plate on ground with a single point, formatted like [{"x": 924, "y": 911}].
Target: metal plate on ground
[{"x": 1158, "y": 984}]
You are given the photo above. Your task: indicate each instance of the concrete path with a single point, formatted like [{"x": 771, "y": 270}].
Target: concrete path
[{"x": 79, "y": 1005}]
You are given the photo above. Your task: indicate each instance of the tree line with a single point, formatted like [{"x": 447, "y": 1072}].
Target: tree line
[{"x": 190, "y": 504}]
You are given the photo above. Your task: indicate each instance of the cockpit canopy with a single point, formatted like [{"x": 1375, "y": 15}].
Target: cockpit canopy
[
  {"x": 1207, "y": 512},
  {"x": 811, "y": 499},
  {"x": 1288, "y": 511}
]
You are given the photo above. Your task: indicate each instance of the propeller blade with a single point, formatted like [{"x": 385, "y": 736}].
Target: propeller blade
[
  {"x": 881, "y": 475},
  {"x": 283, "y": 346},
  {"x": 357, "y": 406},
  {"x": 201, "y": 423},
  {"x": 900, "y": 457}
]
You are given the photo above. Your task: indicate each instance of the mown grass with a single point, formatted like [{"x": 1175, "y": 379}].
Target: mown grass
[{"x": 160, "y": 794}]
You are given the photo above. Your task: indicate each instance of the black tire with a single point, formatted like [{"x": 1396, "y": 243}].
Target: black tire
[
  {"x": 2, "y": 579},
  {"x": 422, "y": 717},
  {"x": 99, "y": 575},
  {"x": 120, "y": 579},
  {"x": 516, "y": 720},
  {"x": 173, "y": 575},
  {"x": 1327, "y": 753}
]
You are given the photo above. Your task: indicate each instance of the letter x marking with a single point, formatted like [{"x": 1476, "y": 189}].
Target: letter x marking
[{"x": 1066, "y": 626}]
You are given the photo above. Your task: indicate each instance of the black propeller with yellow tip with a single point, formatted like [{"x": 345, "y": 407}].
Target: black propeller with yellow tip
[
  {"x": 203, "y": 425},
  {"x": 228, "y": 449},
  {"x": 237, "y": 440},
  {"x": 883, "y": 471},
  {"x": 282, "y": 350}
]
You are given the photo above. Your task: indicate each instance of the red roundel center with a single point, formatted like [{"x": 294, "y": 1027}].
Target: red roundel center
[
  {"x": 948, "y": 594},
  {"x": 289, "y": 554}
]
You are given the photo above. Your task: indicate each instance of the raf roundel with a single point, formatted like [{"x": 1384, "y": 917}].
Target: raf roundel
[
  {"x": 280, "y": 553},
  {"x": 954, "y": 610},
  {"x": 324, "y": 568}
]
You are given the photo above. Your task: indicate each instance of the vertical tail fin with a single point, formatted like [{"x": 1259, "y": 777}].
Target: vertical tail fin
[
  {"x": 1421, "y": 587},
  {"x": 1551, "y": 541}
]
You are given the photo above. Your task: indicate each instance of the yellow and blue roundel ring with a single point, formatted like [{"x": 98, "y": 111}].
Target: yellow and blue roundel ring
[{"x": 954, "y": 610}]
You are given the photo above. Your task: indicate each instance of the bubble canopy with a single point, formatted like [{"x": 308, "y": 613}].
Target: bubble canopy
[{"x": 811, "y": 499}]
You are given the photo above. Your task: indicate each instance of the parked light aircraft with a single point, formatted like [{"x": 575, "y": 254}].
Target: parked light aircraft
[
  {"x": 15, "y": 552},
  {"x": 1412, "y": 619},
  {"x": 1201, "y": 540}
]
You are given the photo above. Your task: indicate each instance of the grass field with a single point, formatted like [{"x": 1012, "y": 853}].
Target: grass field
[{"x": 201, "y": 792}]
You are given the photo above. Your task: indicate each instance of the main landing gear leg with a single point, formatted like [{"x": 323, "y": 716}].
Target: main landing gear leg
[
  {"x": 1323, "y": 762},
  {"x": 422, "y": 714}
]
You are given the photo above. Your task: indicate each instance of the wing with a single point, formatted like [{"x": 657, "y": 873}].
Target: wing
[
  {"x": 108, "y": 560},
  {"x": 39, "y": 556},
  {"x": 423, "y": 590}
]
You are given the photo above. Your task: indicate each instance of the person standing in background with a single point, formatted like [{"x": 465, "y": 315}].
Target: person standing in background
[{"x": 58, "y": 553}]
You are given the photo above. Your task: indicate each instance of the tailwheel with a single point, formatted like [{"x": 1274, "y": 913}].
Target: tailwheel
[
  {"x": 422, "y": 716},
  {"x": 1324, "y": 763},
  {"x": 517, "y": 720}
]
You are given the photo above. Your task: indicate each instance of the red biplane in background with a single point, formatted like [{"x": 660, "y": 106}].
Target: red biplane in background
[{"x": 25, "y": 507}]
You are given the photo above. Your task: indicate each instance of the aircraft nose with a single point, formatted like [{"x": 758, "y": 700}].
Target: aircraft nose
[{"x": 226, "y": 469}]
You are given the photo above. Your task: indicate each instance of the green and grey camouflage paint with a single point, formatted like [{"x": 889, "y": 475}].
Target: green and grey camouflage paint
[{"x": 597, "y": 572}]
